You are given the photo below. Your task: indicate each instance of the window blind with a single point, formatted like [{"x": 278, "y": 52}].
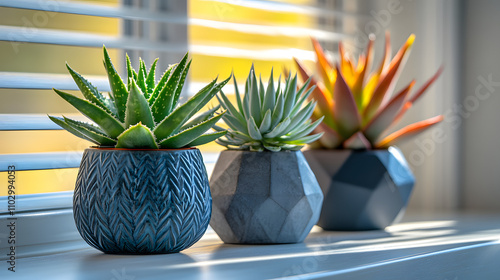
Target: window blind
[{"x": 38, "y": 36}]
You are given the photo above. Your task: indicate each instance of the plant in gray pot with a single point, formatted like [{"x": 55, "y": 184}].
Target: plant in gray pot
[
  {"x": 144, "y": 188},
  {"x": 365, "y": 179},
  {"x": 263, "y": 189}
]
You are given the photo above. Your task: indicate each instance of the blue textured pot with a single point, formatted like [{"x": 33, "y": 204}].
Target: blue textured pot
[
  {"x": 142, "y": 201},
  {"x": 363, "y": 189}
]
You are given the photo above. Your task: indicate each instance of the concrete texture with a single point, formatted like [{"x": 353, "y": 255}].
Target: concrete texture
[
  {"x": 363, "y": 190},
  {"x": 264, "y": 197}
]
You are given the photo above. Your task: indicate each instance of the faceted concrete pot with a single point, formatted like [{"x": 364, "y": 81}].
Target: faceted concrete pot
[
  {"x": 142, "y": 201},
  {"x": 364, "y": 190},
  {"x": 264, "y": 197}
]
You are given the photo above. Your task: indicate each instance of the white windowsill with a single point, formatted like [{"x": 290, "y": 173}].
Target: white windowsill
[{"x": 445, "y": 247}]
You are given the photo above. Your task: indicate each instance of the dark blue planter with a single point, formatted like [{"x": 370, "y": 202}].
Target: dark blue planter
[
  {"x": 363, "y": 189},
  {"x": 142, "y": 201}
]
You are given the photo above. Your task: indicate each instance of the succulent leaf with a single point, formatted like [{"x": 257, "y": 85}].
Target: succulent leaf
[
  {"x": 266, "y": 122},
  {"x": 253, "y": 130},
  {"x": 84, "y": 129},
  {"x": 206, "y": 138},
  {"x": 408, "y": 131},
  {"x": 162, "y": 106},
  {"x": 181, "y": 114},
  {"x": 180, "y": 85},
  {"x": 235, "y": 124},
  {"x": 87, "y": 126},
  {"x": 255, "y": 102},
  {"x": 385, "y": 116},
  {"x": 138, "y": 110},
  {"x": 277, "y": 114},
  {"x": 90, "y": 92},
  {"x": 200, "y": 117},
  {"x": 161, "y": 84},
  {"x": 141, "y": 79},
  {"x": 137, "y": 136},
  {"x": 150, "y": 80},
  {"x": 130, "y": 71},
  {"x": 279, "y": 129},
  {"x": 229, "y": 106},
  {"x": 118, "y": 88},
  {"x": 290, "y": 94},
  {"x": 269, "y": 98},
  {"x": 60, "y": 122},
  {"x": 345, "y": 110},
  {"x": 108, "y": 123},
  {"x": 187, "y": 136}
]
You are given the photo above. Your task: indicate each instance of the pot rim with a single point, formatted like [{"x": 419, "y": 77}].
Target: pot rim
[{"x": 152, "y": 150}]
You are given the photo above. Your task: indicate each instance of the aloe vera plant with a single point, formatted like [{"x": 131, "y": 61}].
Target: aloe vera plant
[
  {"x": 271, "y": 119},
  {"x": 359, "y": 106},
  {"x": 142, "y": 114}
]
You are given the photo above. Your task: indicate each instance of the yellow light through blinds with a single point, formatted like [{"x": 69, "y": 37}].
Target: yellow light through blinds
[{"x": 247, "y": 35}]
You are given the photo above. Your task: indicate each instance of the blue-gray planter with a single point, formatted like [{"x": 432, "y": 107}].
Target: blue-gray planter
[
  {"x": 363, "y": 189},
  {"x": 264, "y": 197},
  {"x": 142, "y": 201}
]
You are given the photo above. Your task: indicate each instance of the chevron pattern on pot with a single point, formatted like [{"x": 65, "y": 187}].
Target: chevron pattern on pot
[{"x": 140, "y": 201}]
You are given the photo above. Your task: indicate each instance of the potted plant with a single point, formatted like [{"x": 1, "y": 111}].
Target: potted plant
[
  {"x": 144, "y": 188},
  {"x": 263, "y": 189},
  {"x": 366, "y": 181}
]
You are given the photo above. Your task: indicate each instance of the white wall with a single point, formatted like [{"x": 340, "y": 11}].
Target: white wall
[{"x": 481, "y": 136}]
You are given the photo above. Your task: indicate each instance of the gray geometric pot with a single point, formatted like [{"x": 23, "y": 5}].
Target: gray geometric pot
[
  {"x": 363, "y": 189},
  {"x": 141, "y": 201},
  {"x": 264, "y": 197}
]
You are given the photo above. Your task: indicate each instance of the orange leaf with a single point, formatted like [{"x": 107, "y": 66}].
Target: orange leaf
[
  {"x": 364, "y": 65},
  {"x": 418, "y": 93},
  {"x": 385, "y": 116},
  {"x": 357, "y": 141},
  {"x": 383, "y": 91},
  {"x": 387, "y": 55},
  {"x": 408, "y": 131},
  {"x": 319, "y": 94},
  {"x": 330, "y": 139},
  {"x": 345, "y": 111},
  {"x": 324, "y": 67},
  {"x": 346, "y": 65}
]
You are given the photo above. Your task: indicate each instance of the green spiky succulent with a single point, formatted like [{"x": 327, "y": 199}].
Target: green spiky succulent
[
  {"x": 269, "y": 119},
  {"x": 142, "y": 114}
]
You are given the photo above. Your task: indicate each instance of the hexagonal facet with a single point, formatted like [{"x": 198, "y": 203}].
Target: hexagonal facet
[
  {"x": 264, "y": 197},
  {"x": 363, "y": 189}
]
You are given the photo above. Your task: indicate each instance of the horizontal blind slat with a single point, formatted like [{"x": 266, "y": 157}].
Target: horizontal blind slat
[
  {"x": 21, "y": 80},
  {"x": 41, "y": 161},
  {"x": 277, "y": 6},
  {"x": 81, "y": 39},
  {"x": 95, "y": 10},
  {"x": 268, "y": 30},
  {"x": 14, "y": 122}
]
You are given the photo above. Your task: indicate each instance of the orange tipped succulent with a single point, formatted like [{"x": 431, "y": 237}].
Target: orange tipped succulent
[{"x": 360, "y": 106}]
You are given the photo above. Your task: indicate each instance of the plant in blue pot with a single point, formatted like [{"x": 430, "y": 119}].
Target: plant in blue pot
[
  {"x": 263, "y": 189},
  {"x": 365, "y": 179},
  {"x": 143, "y": 189}
]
